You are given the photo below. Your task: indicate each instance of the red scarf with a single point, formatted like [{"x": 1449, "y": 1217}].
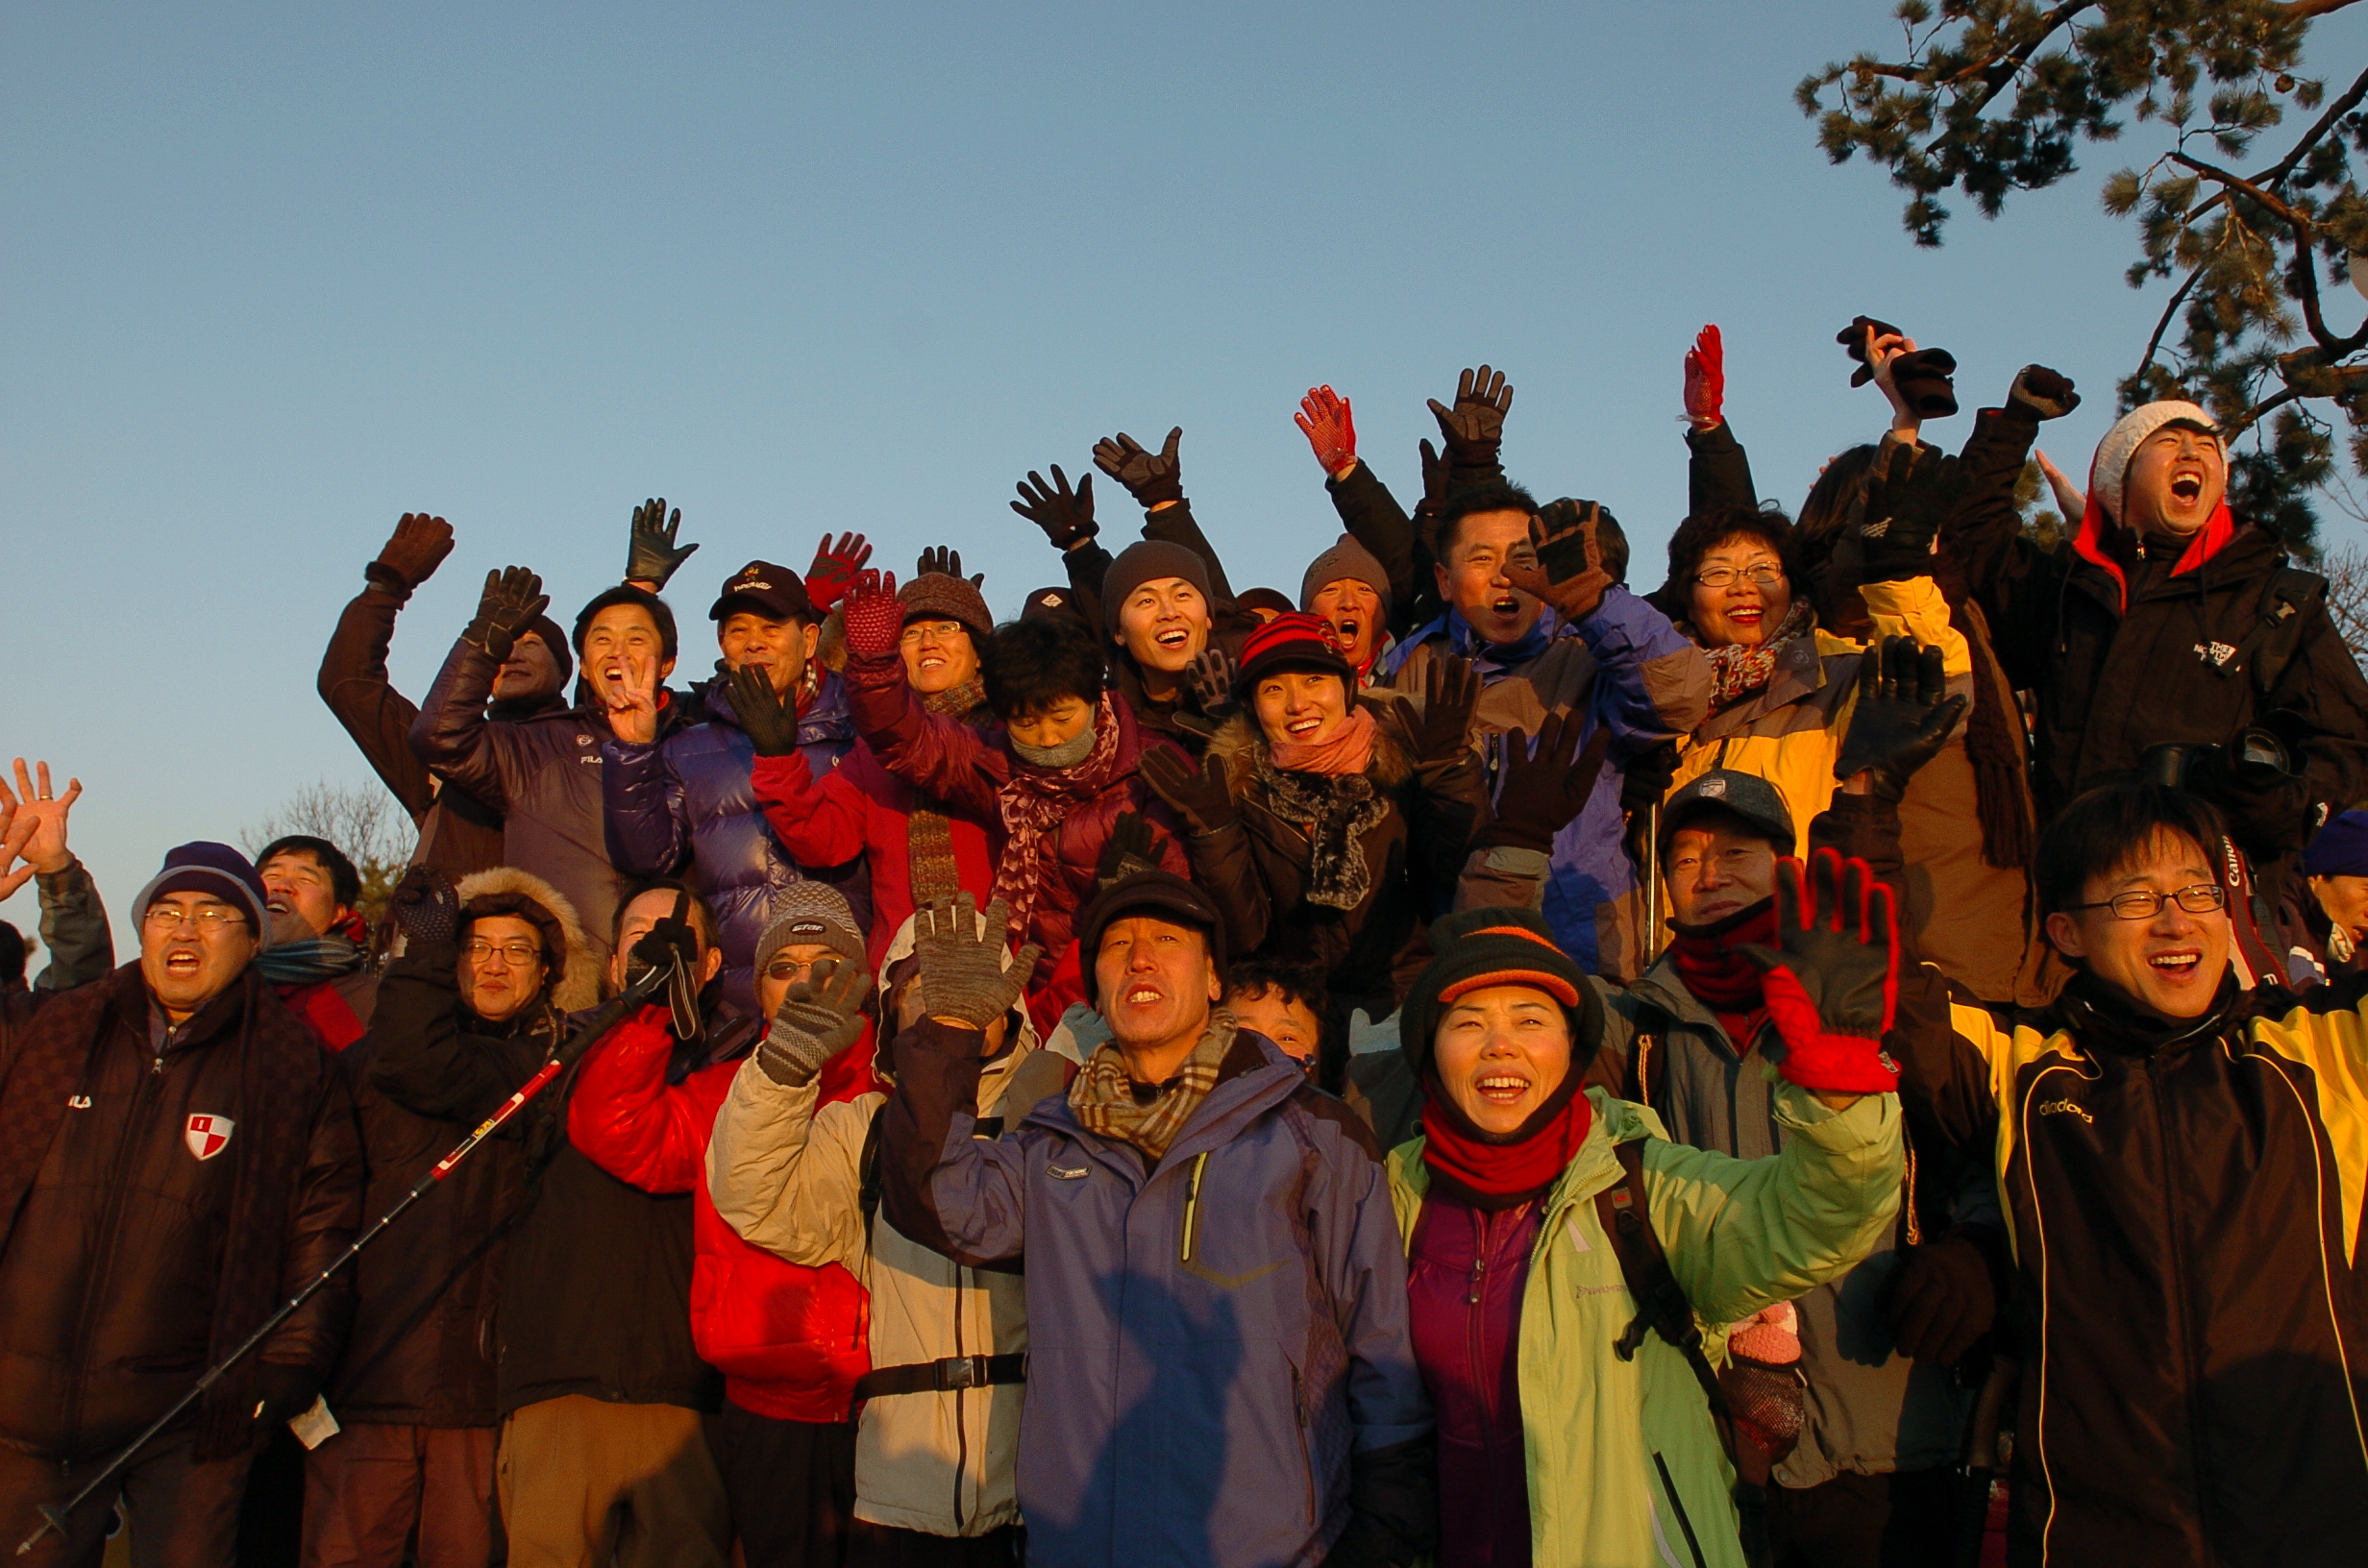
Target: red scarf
[
  {"x": 1496, "y": 1174},
  {"x": 1710, "y": 959}
]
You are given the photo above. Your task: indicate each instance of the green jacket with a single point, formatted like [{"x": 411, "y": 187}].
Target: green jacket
[{"x": 1625, "y": 1470}]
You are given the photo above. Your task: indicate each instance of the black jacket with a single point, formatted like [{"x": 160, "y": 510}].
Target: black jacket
[
  {"x": 595, "y": 1284},
  {"x": 2179, "y": 663}
]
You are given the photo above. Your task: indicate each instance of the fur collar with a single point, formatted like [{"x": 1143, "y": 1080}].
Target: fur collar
[{"x": 578, "y": 985}]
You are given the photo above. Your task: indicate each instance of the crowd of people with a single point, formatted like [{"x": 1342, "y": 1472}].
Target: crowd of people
[{"x": 1851, "y": 1057}]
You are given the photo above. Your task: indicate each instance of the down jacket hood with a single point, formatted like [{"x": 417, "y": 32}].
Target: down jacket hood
[{"x": 506, "y": 890}]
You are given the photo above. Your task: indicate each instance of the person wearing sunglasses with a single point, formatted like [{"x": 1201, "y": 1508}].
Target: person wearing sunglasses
[{"x": 2182, "y": 1173}]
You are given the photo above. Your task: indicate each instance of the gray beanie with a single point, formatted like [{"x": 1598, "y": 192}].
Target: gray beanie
[
  {"x": 1345, "y": 559},
  {"x": 812, "y": 911},
  {"x": 1148, "y": 562}
]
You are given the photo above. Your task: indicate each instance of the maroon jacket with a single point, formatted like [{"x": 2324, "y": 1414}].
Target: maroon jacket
[
  {"x": 968, "y": 771},
  {"x": 1465, "y": 1275}
]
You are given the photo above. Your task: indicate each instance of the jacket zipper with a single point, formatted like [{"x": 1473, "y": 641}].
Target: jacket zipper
[
  {"x": 108, "y": 1224},
  {"x": 1677, "y": 1505},
  {"x": 1191, "y": 1207},
  {"x": 1307, "y": 1461},
  {"x": 2178, "y": 1294},
  {"x": 961, "y": 1408}
]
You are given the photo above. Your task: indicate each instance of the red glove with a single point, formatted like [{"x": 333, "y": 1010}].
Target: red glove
[
  {"x": 875, "y": 618},
  {"x": 1706, "y": 381},
  {"x": 1324, "y": 418},
  {"x": 1831, "y": 983},
  {"x": 835, "y": 567}
]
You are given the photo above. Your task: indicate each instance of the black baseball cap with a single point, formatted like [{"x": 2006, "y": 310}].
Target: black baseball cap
[{"x": 774, "y": 592}]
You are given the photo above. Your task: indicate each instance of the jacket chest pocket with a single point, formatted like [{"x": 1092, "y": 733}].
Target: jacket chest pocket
[{"x": 1229, "y": 1249}]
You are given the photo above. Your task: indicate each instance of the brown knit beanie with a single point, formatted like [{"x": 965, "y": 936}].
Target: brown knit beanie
[
  {"x": 1148, "y": 562},
  {"x": 1345, "y": 559},
  {"x": 1496, "y": 947},
  {"x": 954, "y": 599}
]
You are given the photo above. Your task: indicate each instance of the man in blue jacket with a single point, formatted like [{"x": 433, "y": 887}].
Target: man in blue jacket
[
  {"x": 1220, "y": 1373},
  {"x": 684, "y": 806}
]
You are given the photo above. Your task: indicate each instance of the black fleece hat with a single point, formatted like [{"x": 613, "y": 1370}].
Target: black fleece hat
[
  {"x": 1748, "y": 798},
  {"x": 1162, "y": 893},
  {"x": 1506, "y": 947},
  {"x": 1148, "y": 561}
]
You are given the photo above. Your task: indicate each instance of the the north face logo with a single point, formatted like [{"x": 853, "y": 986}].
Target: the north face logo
[{"x": 208, "y": 1135}]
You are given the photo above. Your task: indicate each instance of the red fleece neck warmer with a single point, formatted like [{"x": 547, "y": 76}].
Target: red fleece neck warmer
[
  {"x": 1710, "y": 959},
  {"x": 1498, "y": 1172}
]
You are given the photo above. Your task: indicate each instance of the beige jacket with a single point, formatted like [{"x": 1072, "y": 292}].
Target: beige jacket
[{"x": 788, "y": 1179}]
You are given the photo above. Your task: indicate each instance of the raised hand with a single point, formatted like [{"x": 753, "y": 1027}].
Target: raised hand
[
  {"x": 513, "y": 599},
  {"x": 1450, "y": 690},
  {"x": 964, "y": 976},
  {"x": 1330, "y": 427},
  {"x": 1909, "y": 499},
  {"x": 1543, "y": 789},
  {"x": 770, "y": 723},
  {"x": 33, "y": 823},
  {"x": 875, "y": 618},
  {"x": 425, "y": 906},
  {"x": 820, "y": 1017},
  {"x": 1129, "y": 848},
  {"x": 1831, "y": 981},
  {"x": 412, "y": 555},
  {"x": 1476, "y": 427},
  {"x": 2039, "y": 393},
  {"x": 1202, "y": 795},
  {"x": 1568, "y": 571},
  {"x": 834, "y": 566},
  {"x": 650, "y": 555},
  {"x": 1210, "y": 677},
  {"x": 1066, "y": 516},
  {"x": 1902, "y": 718},
  {"x": 1706, "y": 381},
  {"x": 946, "y": 562},
  {"x": 633, "y": 701},
  {"x": 1154, "y": 478}
]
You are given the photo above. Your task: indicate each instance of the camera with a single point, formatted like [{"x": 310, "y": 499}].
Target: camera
[{"x": 2256, "y": 760}]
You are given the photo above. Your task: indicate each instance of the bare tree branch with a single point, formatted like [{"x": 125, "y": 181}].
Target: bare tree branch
[{"x": 2304, "y": 9}]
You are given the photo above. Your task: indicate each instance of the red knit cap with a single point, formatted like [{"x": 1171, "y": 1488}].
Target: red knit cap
[{"x": 1297, "y": 641}]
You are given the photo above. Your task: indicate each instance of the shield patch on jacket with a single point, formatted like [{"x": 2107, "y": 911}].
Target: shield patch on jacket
[{"x": 208, "y": 1135}]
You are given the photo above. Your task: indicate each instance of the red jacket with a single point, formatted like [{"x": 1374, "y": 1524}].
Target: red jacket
[
  {"x": 860, "y": 808},
  {"x": 790, "y": 1341}
]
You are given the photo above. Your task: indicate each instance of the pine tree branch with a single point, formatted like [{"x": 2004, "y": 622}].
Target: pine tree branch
[
  {"x": 2178, "y": 296},
  {"x": 2336, "y": 110}
]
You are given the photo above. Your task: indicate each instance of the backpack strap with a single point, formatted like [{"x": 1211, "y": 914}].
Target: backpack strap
[
  {"x": 2290, "y": 601},
  {"x": 867, "y": 1177},
  {"x": 1661, "y": 1307}
]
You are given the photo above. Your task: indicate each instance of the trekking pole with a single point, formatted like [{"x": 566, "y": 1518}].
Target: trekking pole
[
  {"x": 54, "y": 1516},
  {"x": 1652, "y": 882}
]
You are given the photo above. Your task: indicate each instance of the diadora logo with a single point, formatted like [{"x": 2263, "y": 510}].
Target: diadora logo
[
  {"x": 208, "y": 1135},
  {"x": 2065, "y": 1108}
]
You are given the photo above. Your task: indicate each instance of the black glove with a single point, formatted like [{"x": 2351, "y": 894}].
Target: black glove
[
  {"x": 424, "y": 907},
  {"x": 1130, "y": 848},
  {"x": 2040, "y": 393},
  {"x": 1438, "y": 475},
  {"x": 1201, "y": 795},
  {"x": 1646, "y": 781},
  {"x": 1474, "y": 428},
  {"x": 651, "y": 556},
  {"x": 820, "y": 1017},
  {"x": 283, "y": 1393},
  {"x": 513, "y": 599},
  {"x": 1211, "y": 676},
  {"x": 670, "y": 948},
  {"x": 1902, "y": 717},
  {"x": 1832, "y": 982},
  {"x": 1924, "y": 378},
  {"x": 1569, "y": 572},
  {"x": 1153, "y": 478},
  {"x": 770, "y": 723},
  {"x": 1942, "y": 1298},
  {"x": 418, "y": 546},
  {"x": 948, "y": 562},
  {"x": 963, "y": 977},
  {"x": 1543, "y": 790},
  {"x": 1909, "y": 499},
  {"x": 1066, "y": 515},
  {"x": 1450, "y": 690}
]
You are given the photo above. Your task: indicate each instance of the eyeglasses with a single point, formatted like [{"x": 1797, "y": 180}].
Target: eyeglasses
[
  {"x": 790, "y": 969},
  {"x": 916, "y": 630},
  {"x": 517, "y": 955},
  {"x": 1762, "y": 575},
  {"x": 208, "y": 918},
  {"x": 2144, "y": 903}
]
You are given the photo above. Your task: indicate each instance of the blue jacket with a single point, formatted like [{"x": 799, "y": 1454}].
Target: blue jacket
[
  {"x": 685, "y": 805},
  {"x": 1219, "y": 1370},
  {"x": 1626, "y": 667}
]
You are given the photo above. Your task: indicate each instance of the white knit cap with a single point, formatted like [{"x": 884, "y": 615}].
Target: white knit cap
[{"x": 2111, "y": 467}]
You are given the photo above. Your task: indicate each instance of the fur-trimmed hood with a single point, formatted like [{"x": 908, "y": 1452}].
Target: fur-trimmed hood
[
  {"x": 506, "y": 890},
  {"x": 1239, "y": 740}
]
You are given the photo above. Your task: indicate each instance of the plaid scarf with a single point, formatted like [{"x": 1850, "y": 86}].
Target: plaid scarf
[
  {"x": 1737, "y": 671},
  {"x": 1335, "y": 811},
  {"x": 1033, "y": 804},
  {"x": 1105, "y": 1102}
]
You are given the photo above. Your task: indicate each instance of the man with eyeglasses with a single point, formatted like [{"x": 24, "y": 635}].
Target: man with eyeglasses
[
  {"x": 2183, "y": 1166},
  {"x": 177, "y": 1158}
]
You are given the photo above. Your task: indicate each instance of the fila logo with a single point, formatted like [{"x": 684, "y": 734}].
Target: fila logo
[
  {"x": 2065, "y": 1108},
  {"x": 207, "y": 1136},
  {"x": 78, "y": 1102}
]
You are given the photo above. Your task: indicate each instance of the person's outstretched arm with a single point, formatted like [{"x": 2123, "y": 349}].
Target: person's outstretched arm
[{"x": 353, "y": 678}]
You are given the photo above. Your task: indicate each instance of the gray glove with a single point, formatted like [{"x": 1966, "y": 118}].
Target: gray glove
[
  {"x": 818, "y": 1018},
  {"x": 962, "y": 972}
]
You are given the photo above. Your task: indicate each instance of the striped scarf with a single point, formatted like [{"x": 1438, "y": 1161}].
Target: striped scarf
[
  {"x": 1103, "y": 1098},
  {"x": 1033, "y": 804}
]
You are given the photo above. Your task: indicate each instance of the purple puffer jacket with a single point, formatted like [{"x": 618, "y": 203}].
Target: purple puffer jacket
[{"x": 1465, "y": 1275}]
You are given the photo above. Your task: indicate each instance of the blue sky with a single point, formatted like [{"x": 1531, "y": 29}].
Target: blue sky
[{"x": 277, "y": 274}]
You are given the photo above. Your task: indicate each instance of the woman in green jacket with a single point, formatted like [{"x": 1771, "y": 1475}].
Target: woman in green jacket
[{"x": 1555, "y": 1446}]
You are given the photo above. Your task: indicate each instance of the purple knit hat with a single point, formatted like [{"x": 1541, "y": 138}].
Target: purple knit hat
[{"x": 217, "y": 868}]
